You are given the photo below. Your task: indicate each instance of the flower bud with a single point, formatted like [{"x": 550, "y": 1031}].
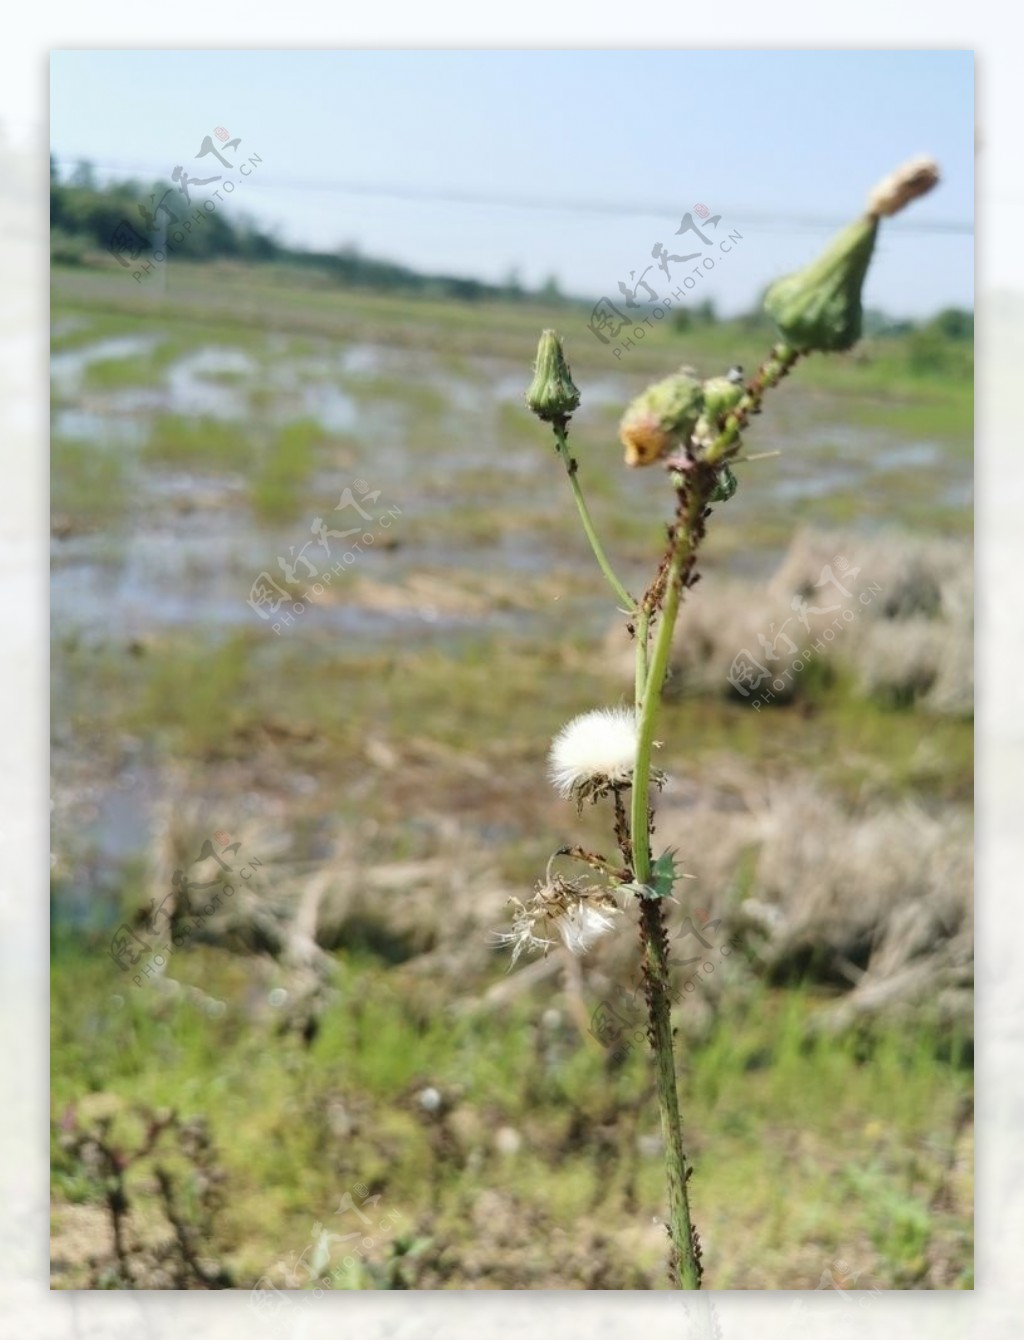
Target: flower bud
[
  {"x": 661, "y": 418},
  {"x": 896, "y": 191},
  {"x": 721, "y": 395},
  {"x": 819, "y": 307},
  {"x": 552, "y": 394}
]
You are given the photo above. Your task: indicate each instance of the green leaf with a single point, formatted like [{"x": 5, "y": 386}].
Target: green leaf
[
  {"x": 725, "y": 486},
  {"x": 664, "y": 874}
]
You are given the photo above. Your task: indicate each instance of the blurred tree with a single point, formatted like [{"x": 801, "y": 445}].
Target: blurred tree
[
  {"x": 513, "y": 284},
  {"x": 83, "y": 176},
  {"x": 550, "y": 291},
  {"x": 953, "y": 323}
]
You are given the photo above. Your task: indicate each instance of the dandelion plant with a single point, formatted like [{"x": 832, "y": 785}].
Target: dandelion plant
[{"x": 694, "y": 430}]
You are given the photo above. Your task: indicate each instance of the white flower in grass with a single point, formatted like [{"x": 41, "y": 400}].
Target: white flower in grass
[
  {"x": 577, "y": 913},
  {"x": 595, "y": 753}
]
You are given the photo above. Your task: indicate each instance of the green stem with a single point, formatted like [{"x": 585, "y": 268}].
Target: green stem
[
  {"x": 642, "y": 632},
  {"x": 684, "y": 1261},
  {"x": 769, "y": 374},
  {"x": 651, "y": 694},
  {"x": 684, "y": 1258},
  {"x": 561, "y": 437}
]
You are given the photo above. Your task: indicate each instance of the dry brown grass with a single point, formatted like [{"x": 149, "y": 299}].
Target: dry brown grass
[{"x": 909, "y": 642}]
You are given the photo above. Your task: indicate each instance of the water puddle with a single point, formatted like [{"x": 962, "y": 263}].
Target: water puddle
[
  {"x": 67, "y": 367},
  {"x": 191, "y": 387},
  {"x": 334, "y": 409}
]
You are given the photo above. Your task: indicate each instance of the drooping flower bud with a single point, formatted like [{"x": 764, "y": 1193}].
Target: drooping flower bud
[
  {"x": 552, "y": 394},
  {"x": 819, "y": 307},
  {"x": 661, "y": 418},
  {"x": 896, "y": 191}
]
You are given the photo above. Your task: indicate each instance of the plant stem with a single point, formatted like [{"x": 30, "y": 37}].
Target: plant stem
[
  {"x": 682, "y": 548},
  {"x": 769, "y": 374},
  {"x": 642, "y": 632},
  {"x": 561, "y": 432},
  {"x": 684, "y": 1259}
]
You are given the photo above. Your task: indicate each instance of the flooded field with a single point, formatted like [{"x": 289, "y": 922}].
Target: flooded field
[{"x": 210, "y": 464}]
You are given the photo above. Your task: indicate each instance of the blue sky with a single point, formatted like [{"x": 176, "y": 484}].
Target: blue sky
[{"x": 783, "y": 144}]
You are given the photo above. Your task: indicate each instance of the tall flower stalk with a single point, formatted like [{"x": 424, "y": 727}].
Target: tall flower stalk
[{"x": 694, "y": 429}]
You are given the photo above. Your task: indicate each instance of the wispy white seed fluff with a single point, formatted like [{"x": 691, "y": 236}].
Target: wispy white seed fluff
[
  {"x": 578, "y": 913},
  {"x": 597, "y": 748},
  {"x": 581, "y": 926}
]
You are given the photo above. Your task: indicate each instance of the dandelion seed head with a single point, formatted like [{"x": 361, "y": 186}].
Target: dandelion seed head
[{"x": 594, "y": 752}]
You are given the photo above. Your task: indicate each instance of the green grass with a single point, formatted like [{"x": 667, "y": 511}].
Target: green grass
[
  {"x": 106, "y": 374},
  {"x": 860, "y": 746},
  {"x": 209, "y": 699},
  {"x": 146, "y": 368},
  {"x": 802, "y": 1147},
  {"x": 200, "y": 695},
  {"x": 88, "y": 483},
  {"x": 277, "y": 485},
  {"x": 421, "y": 399},
  {"x": 205, "y": 445}
]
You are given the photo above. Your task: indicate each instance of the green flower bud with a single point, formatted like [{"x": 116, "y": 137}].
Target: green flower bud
[
  {"x": 720, "y": 396},
  {"x": 661, "y": 418},
  {"x": 552, "y": 394},
  {"x": 819, "y": 307}
]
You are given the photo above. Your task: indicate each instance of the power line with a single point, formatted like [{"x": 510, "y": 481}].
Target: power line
[{"x": 614, "y": 209}]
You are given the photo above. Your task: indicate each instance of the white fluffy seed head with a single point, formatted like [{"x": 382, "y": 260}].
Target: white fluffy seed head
[{"x": 596, "y": 747}]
